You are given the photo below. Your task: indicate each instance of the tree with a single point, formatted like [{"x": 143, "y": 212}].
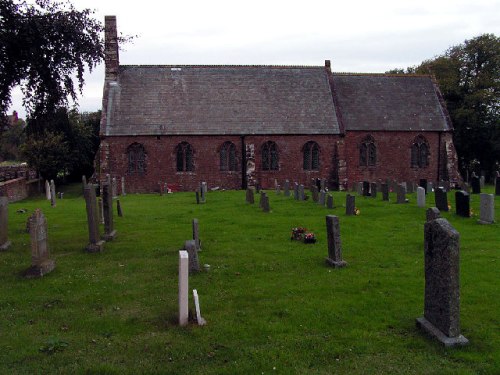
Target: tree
[
  {"x": 469, "y": 79},
  {"x": 42, "y": 47},
  {"x": 11, "y": 138}
]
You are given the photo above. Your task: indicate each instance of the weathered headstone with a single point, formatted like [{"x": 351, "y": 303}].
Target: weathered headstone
[
  {"x": 47, "y": 190},
  {"x": 334, "y": 245},
  {"x": 61, "y": 195},
  {"x": 476, "y": 185},
  {"x": 265, "y": 202},
  {"x": 119, "y": 208},
  {"x": 373, "y": 190},
  {"x": 360, "y": 188},
  {"x": 441, "y": 318},
  {"x": 296, "y": 191},
  {"x": 197, "y": 193},
  {"x": 420, "y": 196},
  {"x": 196, "y": 299},
  {"x": 196, "y": 234},
  {"x": 41, "y": 264},
  {"x": 84, "y": 181},
  {"x": 4, "y": 218},
  {"x": 302, "y": 195},
  {"x": 322, "y": 196},
  {"x": 100, "y": 211},
  {"x": 95, "y": 244},
  {"x": 52, "y": 193},
  {"x": 350, "y": 205},
  {"x": 441, "y": 199},
  {"x": 322, "y": 184},
  {"x": 487, "y": 209},
  {"x": 497, "y": 186},
  {"x": 114, "y": 188},
  {"x": 278, "y": 189},
  {"x": 314, "y": 192},
  {"x": 123, "y": 186},
  {"x": 366, "y": 188},
  {"x": 107, "y": 203},
  {"x": 250, "y": 196},
  {"x": 287, "y": 188},
  {"x": 190, "y": 247},
  {"x": 385, "y": 192},
  {"x": 329, "y": 201},
  {"x": 432, "y": 213},
  {"x": 401, "y": 194},
  {"x": 462, "y": 203},
  {"x": 183, "y": 287},
  {"x": 481, "y": 182}
]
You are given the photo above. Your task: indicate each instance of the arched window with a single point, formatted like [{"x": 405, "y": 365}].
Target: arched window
[
  {"x": 228, "y": 157},
  {"x": 311, "y": 156},
  {"x": 136, "y": 159},
  {"x": 368, "y": 152},
  {"x": 270, "y": 157},
  {"x": 184, "y": 153},
  {"x": 419, "y": 153}
]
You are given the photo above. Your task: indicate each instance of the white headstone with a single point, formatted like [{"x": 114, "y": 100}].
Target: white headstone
[
  {"x": 487, "y": 209},
  {"x": 183, "y": 287},
  {"x": 47, "y": 190},
  {"x": 420, "y": 197},
  {"x": 123, "y": 186},
  {"x": 199, "y": 319}
]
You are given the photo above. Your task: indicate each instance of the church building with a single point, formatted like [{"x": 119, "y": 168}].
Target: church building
[{"x": 238, "y": 126}]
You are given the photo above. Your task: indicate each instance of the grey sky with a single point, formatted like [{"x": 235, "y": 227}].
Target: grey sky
[{"x": 357, "y": 36}]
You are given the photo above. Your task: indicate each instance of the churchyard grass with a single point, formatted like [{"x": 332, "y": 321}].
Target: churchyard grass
[{"x": 272, "y": 305}]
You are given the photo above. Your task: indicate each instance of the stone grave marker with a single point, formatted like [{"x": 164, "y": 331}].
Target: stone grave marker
[
  {"x": 196, "y": 234},
  {"x": 196, "y": 299},
  {"x": 432, "y": 213},
  {"x": 302, "y": 195},
  {"x": 476, "y": 185},
  {"x": 4, "y": 219},
  {"x": 250, "y": 196},
  {"x": 497, "y": 186},
  {"x": 329, "y": 201},
  {"x": 100, "y": 211},
  {"x": 373, "y": 190},
  {"x": 287, "y": 188},
  {"x": 401, "y": 194},
  {"x": 278, "y": 189},
  {"x": 107, "y": 203},
  {"x": 441, "y": 199},
  {"x": 360, "y": 188},
  {"x": 481, "y": 182},
  {"x": 296, "y": 191},
  {"x": 441, "y": 318},
  {"x": 322, "y": 196},
  {"x": 119, "y": 208},
  {"x": 183, "y": 287},
  {"x": 430, "y": 187},
  {"x": 52, "y": 193},
  {"x": 114, "y": 188},
  {"x": 190, "y": 247},
  {"x": 123, "y": 186},
  {"x": 350, "y": 205},
  {"x": 462, "y": 203},
  {"x": 366, "y": 188},
  {"x": 314, "y": 192},
  {"x": 47, "y": 190},
  {"x": 322, "y": 184},
  {"x": 95, "y": 244},
  {"x": 385, "y": 192},
  {"x": 420, "y": 196},
  {"x": 265, "y": 202},
  {"x": 334, "y": 245},
  {"x": 197, "y": 193},
  {"x": 84, "y": 181},
  {"x": 41, "y": 264},
  {"x": 487, "y": 209}
]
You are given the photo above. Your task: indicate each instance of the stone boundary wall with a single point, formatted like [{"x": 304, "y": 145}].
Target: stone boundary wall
[
  {"x": 18, "y": 189},
  {"x": 16, "y": 171}
]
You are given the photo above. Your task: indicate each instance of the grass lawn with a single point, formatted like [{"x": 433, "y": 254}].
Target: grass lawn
[{"x": 272, "y": 305}]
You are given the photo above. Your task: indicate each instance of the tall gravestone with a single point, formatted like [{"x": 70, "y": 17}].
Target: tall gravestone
[
  {"x": 321, "y": 199},
  {"x": 329, "y": 201},
  {"x": 278, "y": 189},
  {"x": 4, "y": 219},
  {"x": 123, "y": 186},
  {"x": 476, "y": 185},
  {"x": 350, "y": 205},
  {"x": 302, "y": 195},
  {"x": 41, "y": 263},
  {"x": 373, "y": 190},
  {"x": 334, "y": 245},
  {"x": 287, "y": 188},
  {"x": 52, "y": 193},
  {"x": 441, "y": 199},
  {"x": 250, "y": 196},
  {"x": 487, "y": 209},
  {"x": 420, "y": 197},
  {"x": 462, "y": 203},
  {"x": 119, "y": 211},
  {"x": 95, "y": 243},
  {"x": 107, "y": 202},
  {"x": 401, "y": 194},
  {"x": 441, "y": 318},
  {"x": 314, "y": 193},
  {"x": 265, "y": 202},
  {"x": 296, "y": 191},
  {"x": 47, "y": 190},
  {"x": 196, "y": 234},
  {"x": 114, "y": 188},
  {"x": 481, "y": 182},
  {"x": 84, "y": 181},
  {"x": 385, "y": 192},
  {"x": 190, "y": 247},
  {"x": 183, "y": 288},
  {"x": 360, "y": 188}
]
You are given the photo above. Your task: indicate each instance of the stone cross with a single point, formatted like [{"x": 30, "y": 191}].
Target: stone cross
[
  {"x": 487, "y": 209},
  {"x": 196, "y": 234},
  {"x": 441, "y": 199},
  {"x": 107, "y": 203},
  {"x": 329, "y": 201},
  {"x": 401, "y": 194},
  {"x": 462, "y": 203},
  {"x": 4, "y": 218},
  {"x": 183, "y": 288},
  {"x": 47, "y": 190},
  {"x": 385, "y": 192},
  {"x": 95, "y": 244},
  {"x": 350, "y": 205},
  {"x": 52, "y": 193},
  {"x": 287, "y": 188},
  {"x": 190, "y": 247},
  {"x": 432, "y": 213},
  {"x": 196, "y": 299},
  {"x": 250, "y": 196},
  {"x": 334, "y": 245},
  {"x": 41, "y": 264},
  {"x": 123, "y": 187},
  {"x": 441, "y": 318},
  {"x": 119, "y": 208},
  {"x": 420, "y": 197}
]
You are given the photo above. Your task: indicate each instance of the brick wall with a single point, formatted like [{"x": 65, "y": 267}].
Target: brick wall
[{"x": 18, "y": 189}]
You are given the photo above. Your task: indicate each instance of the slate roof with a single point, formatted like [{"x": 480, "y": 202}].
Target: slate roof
[
  {"x": 198, "y": 100},
  {"x": 389, "y": 103}
]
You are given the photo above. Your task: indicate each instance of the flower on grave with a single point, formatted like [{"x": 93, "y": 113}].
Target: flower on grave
[
  {"x": 357, "y": 211},
  {"x": 309, "y": 237},
  {"x": 298, "y": 233}
]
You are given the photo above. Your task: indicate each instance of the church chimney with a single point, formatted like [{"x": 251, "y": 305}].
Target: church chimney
[
  {"x": 328, "y": 65},
  {"x": 111, "y": 56}
]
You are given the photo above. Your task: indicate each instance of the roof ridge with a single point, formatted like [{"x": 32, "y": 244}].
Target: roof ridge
[
  {"x": 220, "y": 66},
  {"x": 381, "y": 74}
]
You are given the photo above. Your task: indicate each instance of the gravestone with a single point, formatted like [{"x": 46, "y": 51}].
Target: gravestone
[
  {"x": 322, "y": 196},
  {"x": 329, "y": 201},
  {"x": 481, "y": 182},
  {"x": 350, "y": 205},
  {"x": 183, "y": 287},
  {"x": 302, "y": 195},
  {"x": 84, "y": 181},
  {"x": 196, "y": 234},
  {"x": 203, "y": 192},
  {"x": 190, "y": 247},
  {"x": 123, "y": 186},
  {"x": 100, "y": 211},
  {"x": 314, "y": 192},
  {"x": 385, "y": 192},
  {"x": 360, "y": 188},
  {"x": 265, "y": 202},
  {"x": 322, "y": 184},
  {"x": 107, "y": 205},
  {"x": 257, "y": 187},
  {"x": 366, "y": 188},
  {"x": 4, "y": 218},
  {"x": 41, "y": 264},
  {"x": 476, "y": 185},
  {"x": 95, "y": 244},
  {"x": 420, "y": 196},
  {"x": 250, "y": 196},
  {"x": 287, "y": 188},
  {"x": 296, "y": 191},
  {"x": 47, "y": 190},
  {"x": 334, "y": 245},
  {"x": 197, "y": 194},
  {"x": 487, "y": 209},
  {"x": 441, "y": 199},
  {"x": 432, "y": 213},
  {"x": 373, "y": 190},
  {"x": 196, "y": 299},
  {"x": 497, "y": 186},
  {"x": 61, "y": 195},
  {"x": 278, "y": 189},
  {"x": 119, "y": 208},
  {"x": 114, "y": 188},
  {"x": 261, "y": 199},
  {"x": 52, "y": 193},
  {"x": 462, "y": 203},
  {"x": 423, "y": 184},
  {"x": 401, "y": 194},
  {"x": 441, "y": 318}
]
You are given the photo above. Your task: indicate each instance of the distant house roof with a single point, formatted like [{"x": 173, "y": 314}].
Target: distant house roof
[
  {"x": 372, "y": 102},
  {"x": 198, "y": 100}
]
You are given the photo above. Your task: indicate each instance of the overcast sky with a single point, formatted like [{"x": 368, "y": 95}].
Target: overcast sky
[{"x": 356, "y": 35}]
